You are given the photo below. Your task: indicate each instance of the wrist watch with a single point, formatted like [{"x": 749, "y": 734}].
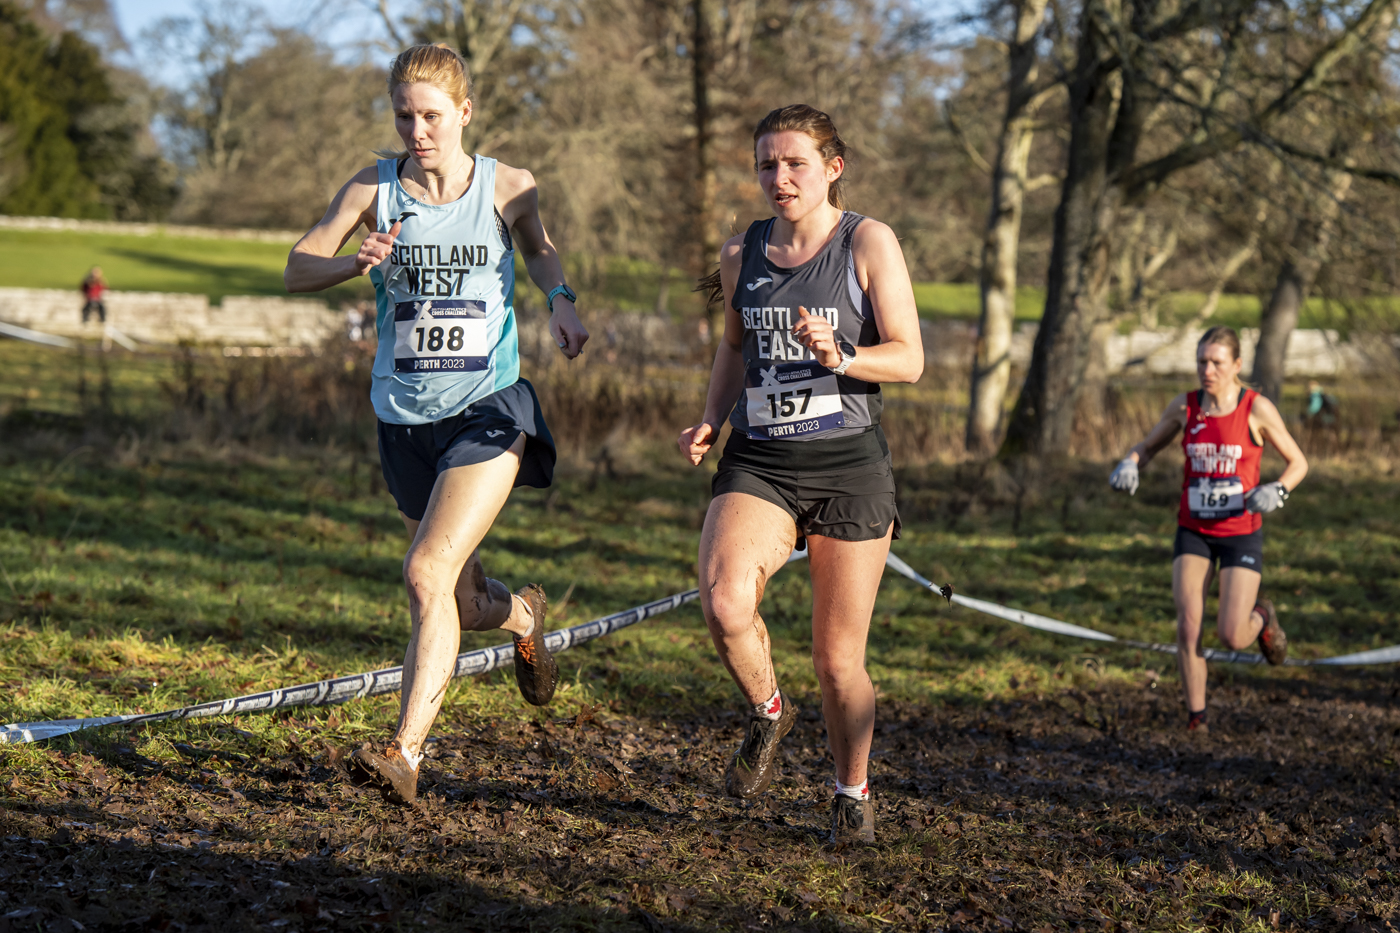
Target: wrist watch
[
  {"x": 560, "y": 289},
  {"x": 848, "y": 356}
]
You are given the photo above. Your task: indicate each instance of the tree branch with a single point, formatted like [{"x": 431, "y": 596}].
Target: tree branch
[
  {"x": 1142, "y": 179},
  {"x": 1387, "y": 176},
  {"x": 972, "y": 154}
]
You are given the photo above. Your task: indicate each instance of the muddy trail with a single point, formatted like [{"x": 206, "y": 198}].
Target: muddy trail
[{"x": 1082, "y": 809}]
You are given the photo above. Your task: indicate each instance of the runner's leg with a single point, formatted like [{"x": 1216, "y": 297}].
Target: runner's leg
[
  {"x": 464, "y": 503},
  {"x": 745, "y": 541},
  {"x": 845, "y": 579},
  {"x": 1191, "y": 575},
  {"x": 1238, "y": 623}
]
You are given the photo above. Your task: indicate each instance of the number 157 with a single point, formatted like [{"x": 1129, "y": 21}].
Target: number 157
[{"x": 783, "y": 403}]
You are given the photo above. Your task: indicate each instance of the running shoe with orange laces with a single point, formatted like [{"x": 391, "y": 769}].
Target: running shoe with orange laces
[
  {"x": 391, "y": 772},
  {"x": 536, "y": 671},
  {"x": 1272, "y": 641}
]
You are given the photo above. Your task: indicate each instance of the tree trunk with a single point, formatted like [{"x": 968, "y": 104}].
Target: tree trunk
[
  {"x": 991, "y": 368},
  {"x": 1103, "y": 134},
  {"x": 1295, "y": 280},
  {"x": 704, "y": 191}
]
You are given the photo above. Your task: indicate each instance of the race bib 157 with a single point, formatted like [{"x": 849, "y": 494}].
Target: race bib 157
[
  {"x": 440, "y": 335},
  {"x": 1209, "y": 498},
  {"x": 789, "y": 400}
]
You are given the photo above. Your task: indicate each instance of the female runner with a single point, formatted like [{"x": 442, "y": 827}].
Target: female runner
[
  {"x": 458, "y": 427},
  {"x": 818, "y": 311},
  {"x": 1222, "y": 500}
]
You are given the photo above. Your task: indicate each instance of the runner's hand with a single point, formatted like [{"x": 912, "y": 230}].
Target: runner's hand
[
  {"x": 564, "y": 326},
  {"x": 1125, "y": 476},
  {"x": 816, "y": 334},
  {"x": 696, "y": 441},
  {"x": 1266, "y": 497},
  {"x": 375, "y": 249}
]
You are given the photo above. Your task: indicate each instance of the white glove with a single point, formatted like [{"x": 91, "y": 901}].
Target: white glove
[
  {"x": 1266, "y": 497},
  {"x": 1125, "y": 476}
]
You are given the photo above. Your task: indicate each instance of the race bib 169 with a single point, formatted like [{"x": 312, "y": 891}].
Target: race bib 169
[
  {"x": 788, "y": 400},
  {"x": 440, "y": 335},
  {"x": 1210, "y": 498}
]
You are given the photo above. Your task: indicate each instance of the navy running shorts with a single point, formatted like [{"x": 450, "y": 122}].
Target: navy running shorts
[
  {"x": 854, "y": 504},
  {"x": 413, "y": 455},
  {"x": 1245, "y": 551}
]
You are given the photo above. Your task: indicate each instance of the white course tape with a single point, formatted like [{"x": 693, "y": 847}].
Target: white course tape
[
  {"x": 1031, "y": 620},
  {"x": 358, "y": 686},
  {"x": 33, "y": 336}
]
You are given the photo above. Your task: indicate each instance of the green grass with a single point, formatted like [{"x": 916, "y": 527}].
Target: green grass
[
  {"x": 42, "y": 259},
  {"x": 140, "y": 571}
]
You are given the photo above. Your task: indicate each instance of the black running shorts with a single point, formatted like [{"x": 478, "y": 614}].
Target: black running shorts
[
  {"x": 852, "y": 504},
  {"x": 1245, "y": 551},
  {"x": 412, "y": 455}
]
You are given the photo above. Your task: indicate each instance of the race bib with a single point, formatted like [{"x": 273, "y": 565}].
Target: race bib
[
  {"x": 788, "y": 400},
  {"x": 1219, "y": 497},
  {"x": 440, "y": 335}
]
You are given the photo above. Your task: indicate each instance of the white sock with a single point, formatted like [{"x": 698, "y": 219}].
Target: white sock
[
  {"x": 409, "y": 757},
  {"x": 859, "y": 791},
  {"x": 526, "y": 606},
  {"x": 772, "y": 708}
]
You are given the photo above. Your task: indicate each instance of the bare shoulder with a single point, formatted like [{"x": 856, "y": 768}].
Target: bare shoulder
[
  {"x": 1265, "y": 410},
  {"x": 732, "y": 250},
  {"x": 358, "y": 194},
  {"x": 512, "y": 182},
  {"x": 872, "y": 232},
  {"x": 1176, "y": 408}
]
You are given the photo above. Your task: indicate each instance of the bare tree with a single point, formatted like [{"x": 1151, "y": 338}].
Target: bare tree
[
  {"x": 1133, "y": 58},
  {"x": 1306, "y": 254},
  {"x": 991, "y": 368}
]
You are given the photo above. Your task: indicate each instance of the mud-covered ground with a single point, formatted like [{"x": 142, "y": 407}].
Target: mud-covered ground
[{"x": 1076, "y": 809}]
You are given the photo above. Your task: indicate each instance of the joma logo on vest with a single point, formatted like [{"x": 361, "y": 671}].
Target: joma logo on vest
[{"x": 1214, "y": 458}]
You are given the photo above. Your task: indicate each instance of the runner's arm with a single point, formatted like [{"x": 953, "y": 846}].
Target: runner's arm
[
  {"x": 880, "y": 269},
  {"x": 313, "y": 265},
  {"x": 1173, "y": 419},
  {"x": 518, "y": 200},
  {"x": 727, "y": 373},
  {"x": 1265, "y": 415}
]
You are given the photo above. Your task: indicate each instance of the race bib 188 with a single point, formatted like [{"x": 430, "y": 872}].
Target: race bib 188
[
  {"x": 788, "y": 400},
  {"x": 1219, "y": 497},
  {"x": 440, "y": 335}
]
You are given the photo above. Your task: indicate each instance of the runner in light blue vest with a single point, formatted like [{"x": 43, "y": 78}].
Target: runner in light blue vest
[{"x": 458, "y": 427}]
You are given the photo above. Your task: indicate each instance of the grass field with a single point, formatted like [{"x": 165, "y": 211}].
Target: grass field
[
  {"x": 1024, "y": 781},
  {"x": 38, "y": 259}
]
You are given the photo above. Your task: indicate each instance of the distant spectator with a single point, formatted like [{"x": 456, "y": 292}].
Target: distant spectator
[
  {"x": 1322, "y": 407},
  {"x": 94, "y": 287},
  {"x": 355, "y": 323}
]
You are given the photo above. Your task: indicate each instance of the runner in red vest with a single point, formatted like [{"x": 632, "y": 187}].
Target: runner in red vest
[{"x": 1222, "y": 501}]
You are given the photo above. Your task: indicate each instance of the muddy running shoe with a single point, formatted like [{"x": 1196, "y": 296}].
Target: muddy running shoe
[
  {"x": 536, "y": 672},
  {"x": 390, "y": 772},
  {"x": 751, "y": 770},
  {"x": 1272, "y": 641},
  {"x": 852, "y": 821}
]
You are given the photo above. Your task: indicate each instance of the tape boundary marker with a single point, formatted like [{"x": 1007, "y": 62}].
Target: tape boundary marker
[
  {"x": 1387, "y": 655},
  {"x": 357, "y": 686},
  {"x": 484, "y": 660}
]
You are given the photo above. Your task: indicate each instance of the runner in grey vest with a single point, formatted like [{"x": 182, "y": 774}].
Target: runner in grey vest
[
  {"x": 787, "y": 394},
  {"x": 818, "y": 311}
]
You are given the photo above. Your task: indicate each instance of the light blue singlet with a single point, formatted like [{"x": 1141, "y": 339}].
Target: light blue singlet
[{"x": 445, "y": 300}]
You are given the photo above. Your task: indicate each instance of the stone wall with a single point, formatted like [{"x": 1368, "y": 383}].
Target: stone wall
[{"x": 159, "y": 317}]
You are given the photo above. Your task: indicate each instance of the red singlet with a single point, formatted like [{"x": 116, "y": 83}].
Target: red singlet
[{"x": 1222, "y": 464}]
